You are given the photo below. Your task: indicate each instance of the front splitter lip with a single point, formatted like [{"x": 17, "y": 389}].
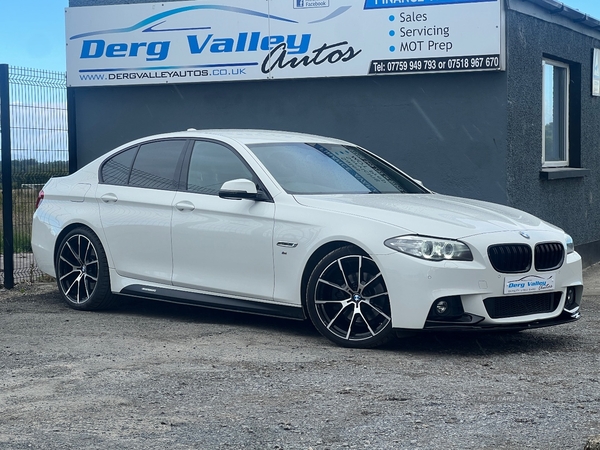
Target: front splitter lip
[{"x": 474, "y": 324}]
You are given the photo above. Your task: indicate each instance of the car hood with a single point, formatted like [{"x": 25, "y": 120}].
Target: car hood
[{"x": 430, "y": 214}]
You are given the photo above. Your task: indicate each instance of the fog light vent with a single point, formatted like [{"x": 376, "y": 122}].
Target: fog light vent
[
  {"x": 446, "y": 308},
  {"x": 441, "y": 307},
  {"x": 571, "y": 300}
]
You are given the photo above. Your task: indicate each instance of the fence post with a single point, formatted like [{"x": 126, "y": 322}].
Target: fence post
[
  {"x": 7, "y": 198},
  {"x": 72, "y": 134}
]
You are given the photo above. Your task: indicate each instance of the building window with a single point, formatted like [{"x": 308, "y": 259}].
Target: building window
[{"x": 555, "y": 114}]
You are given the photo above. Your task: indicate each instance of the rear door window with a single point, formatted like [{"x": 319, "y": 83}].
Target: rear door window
[{"x": 156, "y": 165}]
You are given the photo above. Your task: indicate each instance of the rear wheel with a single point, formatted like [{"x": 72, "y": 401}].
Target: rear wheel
[
  {"x": 82, "y": 271},
  {"x": 347, "y": 300}
]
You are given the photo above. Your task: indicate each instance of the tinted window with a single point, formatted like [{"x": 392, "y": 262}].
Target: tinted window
[
  {"x": 116, "y": 169},
  {"x": 331, "y": 169},
  {"x": 212, "y": 165},
  {"x": 155, "y": 165}
]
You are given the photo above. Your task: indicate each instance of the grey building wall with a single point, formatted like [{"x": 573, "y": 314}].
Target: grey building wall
[{"x": 571, "y": 203}]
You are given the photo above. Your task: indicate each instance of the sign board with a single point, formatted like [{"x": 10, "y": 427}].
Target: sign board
[
  {"x": 529, "y": 283},
  {"x": 219, "y": 40}
]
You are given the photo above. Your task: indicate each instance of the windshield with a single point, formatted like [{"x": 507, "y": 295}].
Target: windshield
[{"x": 302, "y": 168}]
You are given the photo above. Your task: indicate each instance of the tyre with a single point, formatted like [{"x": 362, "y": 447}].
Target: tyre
[
  {"x": 82, "y": 271},
  {"x": 347, "y": 300}
]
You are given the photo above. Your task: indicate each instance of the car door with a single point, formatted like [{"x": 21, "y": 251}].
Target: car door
[
  {"x": 221, "y": 245},
  {"x": 135, "y": 198}
]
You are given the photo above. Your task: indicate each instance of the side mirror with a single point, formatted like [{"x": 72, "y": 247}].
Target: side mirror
[{"x": 238, "y": 189}]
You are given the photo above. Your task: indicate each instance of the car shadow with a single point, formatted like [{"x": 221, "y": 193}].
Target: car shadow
[
  {"x": 563, "y": 338},
  {"x": 196, "y": 314},
  {"x": 487, "y": 343}
]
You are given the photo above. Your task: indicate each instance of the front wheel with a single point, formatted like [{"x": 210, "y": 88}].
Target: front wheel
[
  {"x": 347, "y": 300},
  {"x": 82, "y": 271}
]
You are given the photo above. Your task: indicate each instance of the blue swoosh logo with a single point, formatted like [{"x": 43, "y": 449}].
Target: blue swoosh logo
[
  {"x": 337, "y": 12},
  {"x": 196, "y": 66},
  {"x": 152, "y": 29},
  {"x": 152, "y": 19}
]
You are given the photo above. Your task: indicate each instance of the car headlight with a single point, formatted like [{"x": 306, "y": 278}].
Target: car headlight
[
  {"x": 434, "y": 249},
  {"x": 569, "y": 243}
]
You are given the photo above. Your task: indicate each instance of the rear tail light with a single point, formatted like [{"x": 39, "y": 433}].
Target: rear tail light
[{"x": 39, "y": 199}]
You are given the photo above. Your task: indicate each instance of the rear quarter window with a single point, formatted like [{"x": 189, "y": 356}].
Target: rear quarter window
[{"x": 116, "y": 170}]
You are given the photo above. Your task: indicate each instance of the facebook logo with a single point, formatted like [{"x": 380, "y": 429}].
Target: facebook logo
[{"x": 301, "y": 4}]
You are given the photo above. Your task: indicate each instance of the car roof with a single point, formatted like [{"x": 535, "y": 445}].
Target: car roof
[{"x": 251, "y": 136}]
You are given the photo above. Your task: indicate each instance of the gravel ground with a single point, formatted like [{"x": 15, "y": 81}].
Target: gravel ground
[{"x": 159, "y": 376}]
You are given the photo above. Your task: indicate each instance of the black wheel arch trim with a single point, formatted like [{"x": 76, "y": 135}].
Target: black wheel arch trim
[{"x": 214, "y": 301}]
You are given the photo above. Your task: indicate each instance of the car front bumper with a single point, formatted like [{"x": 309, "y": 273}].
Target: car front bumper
[{"x": 414, "y": 285}]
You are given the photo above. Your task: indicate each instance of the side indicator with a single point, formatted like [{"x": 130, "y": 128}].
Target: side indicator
[{"x": 287, "y": 244}]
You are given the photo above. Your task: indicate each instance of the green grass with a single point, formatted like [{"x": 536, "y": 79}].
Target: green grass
[{"x": 23, "y": 209}]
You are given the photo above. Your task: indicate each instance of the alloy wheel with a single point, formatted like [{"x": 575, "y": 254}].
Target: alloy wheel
[
  {"x": 351, "y": 299},
  {"x": 78, "y": 268}
]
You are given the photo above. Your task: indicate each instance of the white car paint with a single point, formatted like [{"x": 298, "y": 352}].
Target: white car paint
[{"x": 259, "y": 251}]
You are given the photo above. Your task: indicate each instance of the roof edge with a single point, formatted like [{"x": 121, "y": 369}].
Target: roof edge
[{"x": 558, "y": 8}]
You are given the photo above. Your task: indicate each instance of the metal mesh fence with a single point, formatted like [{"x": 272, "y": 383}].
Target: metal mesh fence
[{"x": 39, "y": 138}]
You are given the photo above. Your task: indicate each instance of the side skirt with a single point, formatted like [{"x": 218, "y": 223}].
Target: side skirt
[{"x": 214, "y": 301}]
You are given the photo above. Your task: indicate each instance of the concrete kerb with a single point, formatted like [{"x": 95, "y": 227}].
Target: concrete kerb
[
  {"x": 591, "y": 287},
  {"x": 591, "y": 281}
]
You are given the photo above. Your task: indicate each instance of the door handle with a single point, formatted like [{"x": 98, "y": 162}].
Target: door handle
[
  {"x": 185, "y": 206},
  {"x": 109, "y": 198}
]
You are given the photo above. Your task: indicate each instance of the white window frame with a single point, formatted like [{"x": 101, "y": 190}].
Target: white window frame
[{"x": 565, "y": 113}]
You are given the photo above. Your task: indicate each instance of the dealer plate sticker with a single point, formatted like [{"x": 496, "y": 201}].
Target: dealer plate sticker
[{"x": 529, "y": 283}]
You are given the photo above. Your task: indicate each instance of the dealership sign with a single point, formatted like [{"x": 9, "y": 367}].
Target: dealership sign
[{"x": 217, "y": 40}]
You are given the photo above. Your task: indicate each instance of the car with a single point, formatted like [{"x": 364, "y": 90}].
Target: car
[{"x": 303, "y": 227}]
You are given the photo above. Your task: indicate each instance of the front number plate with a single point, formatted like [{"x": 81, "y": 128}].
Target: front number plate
[{"x": 529, "y": 283}]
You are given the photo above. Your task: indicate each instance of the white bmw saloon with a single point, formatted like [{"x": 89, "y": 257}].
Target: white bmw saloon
[{"x": 303, "y": 227}]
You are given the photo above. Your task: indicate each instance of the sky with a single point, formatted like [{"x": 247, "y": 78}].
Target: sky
[{"x": 32, "y": 32}]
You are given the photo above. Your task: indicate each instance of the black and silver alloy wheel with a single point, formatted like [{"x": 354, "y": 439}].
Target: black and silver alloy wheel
[
  {"x": 347, "y": 300},
  {"x": 82, "y": 271}
]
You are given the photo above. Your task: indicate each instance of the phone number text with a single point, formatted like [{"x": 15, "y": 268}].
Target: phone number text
[{"x": 480, "y": 62}]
